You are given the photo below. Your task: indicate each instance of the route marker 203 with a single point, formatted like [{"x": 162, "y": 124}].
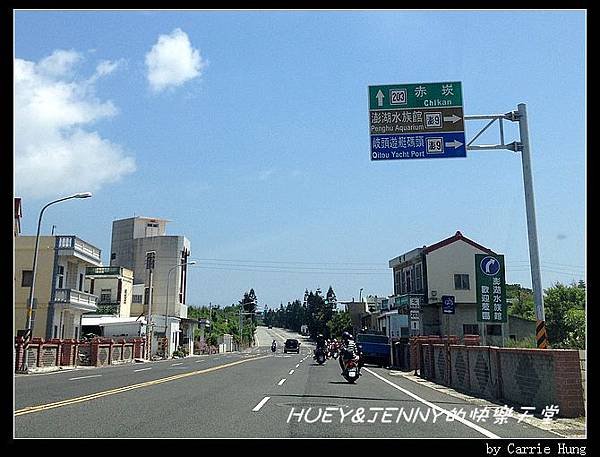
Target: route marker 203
[{"x": 416, "y": 121}]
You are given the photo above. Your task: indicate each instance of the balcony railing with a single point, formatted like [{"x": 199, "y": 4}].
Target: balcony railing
[
  {"x": 112, "y": 271},
  {"x": 109, "y": 308},
  {"x": 78, "y": 246},
  {"x": 76, "y": 299}
]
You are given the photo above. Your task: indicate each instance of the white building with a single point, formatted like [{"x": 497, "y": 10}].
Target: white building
[
  {"x": 136, "y": 240},
  {"x": 423, "y": 275},
  {"x": 113, "y": 326}
]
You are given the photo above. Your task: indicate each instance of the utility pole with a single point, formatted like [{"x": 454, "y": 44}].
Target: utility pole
[
  {"x": 150, "y": 263},
  {"x": 523, "y": 146}
]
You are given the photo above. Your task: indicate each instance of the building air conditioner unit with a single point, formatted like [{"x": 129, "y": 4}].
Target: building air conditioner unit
[{"x": 434, "y": 293}]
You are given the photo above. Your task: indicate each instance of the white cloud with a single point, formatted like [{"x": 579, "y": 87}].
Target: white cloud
[
  {"x": 54, "y": 153},
  {"x": 172, "y": 61}
]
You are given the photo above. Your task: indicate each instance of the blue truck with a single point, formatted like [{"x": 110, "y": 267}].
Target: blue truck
[{"x": 374, "y": 349}]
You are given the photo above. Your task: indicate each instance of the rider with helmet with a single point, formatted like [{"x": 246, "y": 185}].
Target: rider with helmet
[
  {"x": 321, "y": 344},
  {"x": 348, "y": 349}
]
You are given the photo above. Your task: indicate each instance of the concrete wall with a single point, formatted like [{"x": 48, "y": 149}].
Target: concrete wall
[
  {"x": 24, "y": 246},
  {"x": 518, "y": 377},
  {"x": 444, "y": 263},
  {"x": 168, "y": 254}
]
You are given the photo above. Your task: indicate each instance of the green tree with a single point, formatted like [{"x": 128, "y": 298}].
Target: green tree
[
  {"x": 339, "y": 323},
  {"x": 521, "y": 301},
  {"x": 564, "y": 308}
]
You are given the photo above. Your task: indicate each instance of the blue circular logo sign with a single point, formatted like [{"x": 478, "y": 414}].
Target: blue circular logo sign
[{"x": 490, "y": 265}]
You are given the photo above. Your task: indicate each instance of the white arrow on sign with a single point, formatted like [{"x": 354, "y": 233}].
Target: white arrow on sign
[
  {"x": 454, "y": 118},
  {"x": 454, "y": 144},
  {"x": 380, "y": 97}
]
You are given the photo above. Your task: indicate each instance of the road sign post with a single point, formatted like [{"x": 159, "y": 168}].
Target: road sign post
[
  {"x": 490, "y": 285},
  {"x": 448, "y": 308},
  {"x": 416, "y": 121}
]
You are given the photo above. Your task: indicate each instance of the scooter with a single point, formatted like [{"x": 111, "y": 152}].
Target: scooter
[
  {"x": 273, "y": 348},
  {"x": 351, "y": 370},
  {"x": 320, "y": 356}
]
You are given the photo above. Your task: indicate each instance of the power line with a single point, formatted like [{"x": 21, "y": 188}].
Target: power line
[
  {"x": 294, "y": 271},
  {"x": 298, "y": 268},
  {"x": 294, "y": 262}
]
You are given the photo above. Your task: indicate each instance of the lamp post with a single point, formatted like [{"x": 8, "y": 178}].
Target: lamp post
[
  {"x": 30, "y": 306},
  {"x": 192, "y": 262}
]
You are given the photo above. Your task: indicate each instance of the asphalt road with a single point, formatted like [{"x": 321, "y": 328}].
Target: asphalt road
[{"x": 252, "y": 394}]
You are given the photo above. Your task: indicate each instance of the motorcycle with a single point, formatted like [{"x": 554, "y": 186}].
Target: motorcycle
[
  {"x": 273, "y": 348},
  {"x": 320, "y": 356},
  {"x": 335, "y": 354},
  {"x": 351, "y": 370}
]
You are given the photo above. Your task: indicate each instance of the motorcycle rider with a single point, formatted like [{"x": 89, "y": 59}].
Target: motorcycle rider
[
  {"x": 321, "y": 344},
  {"x": 274, "y": 346},
  {"x": 348, "y": 349}
]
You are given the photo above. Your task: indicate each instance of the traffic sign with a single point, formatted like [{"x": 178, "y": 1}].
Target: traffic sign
[
  {"x": 416, "y": 121},
  {"x": 490, "y": 285},
  {"x": 448, "y": 306}
]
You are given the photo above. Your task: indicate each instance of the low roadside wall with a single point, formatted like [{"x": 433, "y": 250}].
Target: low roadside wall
[
  {"x": 70, "y": 352},
  {"x": 522, "y": 377}
]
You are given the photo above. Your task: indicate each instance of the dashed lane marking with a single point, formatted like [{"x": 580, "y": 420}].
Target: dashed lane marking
[{"x": 260, "y": 404}]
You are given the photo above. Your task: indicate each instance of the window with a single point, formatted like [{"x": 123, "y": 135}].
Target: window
[
  {"x": 27, "y": 278},
  {"x": 419, "y": 277},
  {"x": 408, "y": 280},
  {"x": 470, "y": 329},
  {"x": 60, "y": 276},
  {"x": 461, "y": 282},
  {"x": 494, "y": 330},
  {"x": 55, "y": 333},
  {"x": 105, "y": 295},
  {"x": 125, "y": 296},
  {"x": 113, "y": 256},
  {"x": 136, "y": 299},
  {"x": 80, "y": 281},
  {"x": 397, "y": 283}
]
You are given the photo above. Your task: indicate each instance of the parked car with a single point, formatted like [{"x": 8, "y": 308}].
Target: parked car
[
  {"x": 291, "y": 345},
  {"x": 270, "y": 326}
]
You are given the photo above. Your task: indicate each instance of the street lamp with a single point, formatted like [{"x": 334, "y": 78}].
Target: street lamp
[
  {"x": 28, "y": 326},
  {"x": 192, "y": 262}
]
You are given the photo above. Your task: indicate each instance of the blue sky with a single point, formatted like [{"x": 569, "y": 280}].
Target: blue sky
[{"x": 249, "y": 130}]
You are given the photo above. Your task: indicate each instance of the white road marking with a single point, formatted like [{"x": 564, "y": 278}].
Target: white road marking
[
  {"x": 297, "y": 365},
  {"x": 180, "y": 363},
  {"x": 143, "y": 369},
  {"x": 291, "y": 371},
  {"x": 281, "y": 382},
  {"x": 83, "y": 377},
  {"x": 198, "y": 361},
  {"x": 261, "y": 404},
  {"x": 449, "y": 414}
]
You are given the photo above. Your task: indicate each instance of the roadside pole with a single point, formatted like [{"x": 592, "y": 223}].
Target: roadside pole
[{"x": 534, "y": 257}]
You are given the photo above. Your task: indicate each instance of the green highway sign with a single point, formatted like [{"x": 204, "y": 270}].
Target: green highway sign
[
  {"x": 417, "y": 121},
  {"x": 490, "y": 285},
  {"x": 421, "y": 95}
]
